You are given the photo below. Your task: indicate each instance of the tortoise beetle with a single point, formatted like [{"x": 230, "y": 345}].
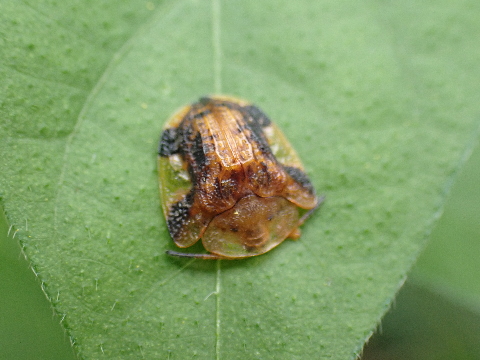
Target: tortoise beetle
[{"x": 229, "y": 176}]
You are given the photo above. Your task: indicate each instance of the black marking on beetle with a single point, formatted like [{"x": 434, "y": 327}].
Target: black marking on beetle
[
  {"x": 193, "y": 152},
  {"x": 228, "y": 104},
  {"x": 257, "y": 115},
  {"x": 256, "y": 120},
  {"x": 178, "y": 215},
  {"x": 187, "y": 129},
  {"x": 300, "y": 177},
  {"x": 228, "y": 186},
  {"x": 204, "y": 100},
  {"x": 259, "y": 175},
  {"x": 198, "y": 152},
  {"x": 217, "y": 189},
  {"x": 168, "y": 144},
  {"x": 257, "y": 136},
  {"x": 202, "y": 114}
]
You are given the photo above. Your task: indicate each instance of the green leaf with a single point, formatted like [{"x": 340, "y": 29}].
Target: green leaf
[{"x": 379, "y": 98}]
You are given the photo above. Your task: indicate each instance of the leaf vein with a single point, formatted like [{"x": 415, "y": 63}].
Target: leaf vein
[{"x": 217, "y": 72}]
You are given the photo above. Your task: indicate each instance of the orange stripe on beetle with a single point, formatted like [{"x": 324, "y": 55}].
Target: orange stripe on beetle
[{"x": 229, "y": 176}]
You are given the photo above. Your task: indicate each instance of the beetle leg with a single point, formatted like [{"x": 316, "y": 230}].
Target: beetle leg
[
  {"x": 196, "y": 256},
  {"x": 320, "y": 201},
  {"x": 295, "y": 234}
]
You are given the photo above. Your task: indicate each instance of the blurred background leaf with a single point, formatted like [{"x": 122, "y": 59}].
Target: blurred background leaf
[
  {"x": 437, "y": 313},
  {"x": 28, "y": 327}
]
